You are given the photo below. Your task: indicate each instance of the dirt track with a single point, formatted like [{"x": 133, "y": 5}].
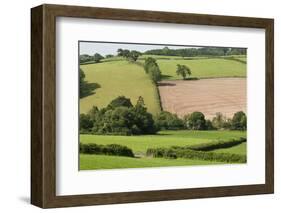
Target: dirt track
[{"x": 225, "y": 95}]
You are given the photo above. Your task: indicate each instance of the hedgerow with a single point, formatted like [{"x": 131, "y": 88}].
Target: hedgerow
[
  {"x": 201, "y": 152},
  {"x": 110, "y": 149}
]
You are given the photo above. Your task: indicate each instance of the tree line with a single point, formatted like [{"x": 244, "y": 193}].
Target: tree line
[
  {"x": 121, "y": 117},
  {"x": 192, "y": 52}
]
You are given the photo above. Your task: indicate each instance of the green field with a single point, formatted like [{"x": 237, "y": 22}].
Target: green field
[
  {"x": 118, "y": 78},
  {"x": 203, "y": 68},
  {"x": 139, "y": 145},
  {"x": 89, "y": 162},
  {"x": 239, "y": 149}
]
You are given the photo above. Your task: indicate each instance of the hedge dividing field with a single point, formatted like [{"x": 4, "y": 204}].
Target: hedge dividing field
[{"x": 140, "y": 144}]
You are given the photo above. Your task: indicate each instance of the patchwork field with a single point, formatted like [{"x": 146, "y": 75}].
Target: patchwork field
[
  {"x": 139, "y": 145},
  {"x": 117, "y": 78},
  {"x": 226, "y": 95},
  {"x": 203, "y": 68}
]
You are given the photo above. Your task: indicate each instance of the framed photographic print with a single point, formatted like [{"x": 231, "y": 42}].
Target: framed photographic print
[{"x": 137, "y": 106}]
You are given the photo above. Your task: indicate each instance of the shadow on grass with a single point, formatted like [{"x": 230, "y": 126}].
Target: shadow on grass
[
  {"x": 165, "y": 84},
  {"x": 166, "y": 77},
  {"x": 89, "y": 89},
  {"x": 191, "y": 79}
]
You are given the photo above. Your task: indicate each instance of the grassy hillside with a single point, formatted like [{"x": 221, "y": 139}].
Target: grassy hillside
[
  {"x": 118, "y": 78},
  {"x": 203, "y": 68},
  {"x": 139, "y": 144}
]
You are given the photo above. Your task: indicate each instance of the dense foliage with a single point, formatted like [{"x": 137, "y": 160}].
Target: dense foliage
[
  {"x": 168, "y": 121},
  {"x": 110, "y": 149},
  {"x": 192, "y": 52},
  {"x": 195, "y": 121},
  {"x": 239, "y": 121},
  {"x": 152, "y": 69},
  {"x": 129, "y": 55},
  {"x": 87, "y": 58},
  {"x": 120, "y": 117}
]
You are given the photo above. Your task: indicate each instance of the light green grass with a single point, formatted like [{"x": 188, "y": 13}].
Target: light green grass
[
  {"x": 89, "y": 162},
  {"x": 118, "y": 78},
  {"x": 139, "y": 144},
  {"x": 239, "y": 149},
  {"x": 203, "y": 68}
]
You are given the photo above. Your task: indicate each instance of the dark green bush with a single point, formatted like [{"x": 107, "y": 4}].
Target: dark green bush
[{"x": 111, "y": 149}]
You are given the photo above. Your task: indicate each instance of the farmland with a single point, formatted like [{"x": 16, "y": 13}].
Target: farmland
[
  {"x": 227, "y": 95},
  {"x": 139, "y": 145},
  {"x": 117, "y": 78},
  {"x": 162, "y": 109}
]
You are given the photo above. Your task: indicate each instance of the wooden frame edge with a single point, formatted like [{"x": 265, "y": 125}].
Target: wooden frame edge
[{"x": 43, "y": 104}]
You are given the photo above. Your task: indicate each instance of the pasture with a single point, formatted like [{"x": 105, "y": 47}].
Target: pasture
[
  {"x": 139, "y": 145},
  {"x": 226, "y": 95},
  {"x": 90, "y": 162},
  {"x": 118, "y": 78},
  {"x": 204, "y": 68}
]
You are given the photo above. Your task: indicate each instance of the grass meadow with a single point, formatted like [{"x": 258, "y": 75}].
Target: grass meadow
[
  {"x": 117, "y": 78},
  {"x": 167, "y": 138}
]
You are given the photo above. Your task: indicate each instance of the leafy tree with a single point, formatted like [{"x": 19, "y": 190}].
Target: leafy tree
[
  {"x": 152, "y": 69},
  {"x": 133, "y": 55},
  {"x": 167, "y": 120},
  {"x": 97, "y": 57},
  {"x": 183, "y": 70},
  {"x": 195, "y": 121},
  {"x": 219, "y": 120},
  {"x": 120, "y": 101},
  {"x": 239, "y": 121}
]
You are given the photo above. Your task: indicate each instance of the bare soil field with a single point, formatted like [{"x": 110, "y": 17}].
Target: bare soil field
[{"x": 209, "y": 96}]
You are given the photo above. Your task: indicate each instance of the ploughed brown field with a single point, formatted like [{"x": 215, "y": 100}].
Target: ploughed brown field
[{"x": 209, "y": 96}]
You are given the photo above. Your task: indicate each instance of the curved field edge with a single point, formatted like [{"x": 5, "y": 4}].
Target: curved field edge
[{"x": 119, "y": 78}]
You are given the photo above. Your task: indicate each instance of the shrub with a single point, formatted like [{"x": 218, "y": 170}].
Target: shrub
[{"x": 111, "y": 149}]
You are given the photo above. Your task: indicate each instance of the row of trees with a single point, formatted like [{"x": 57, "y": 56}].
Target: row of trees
[
  {"x": 197, "y": 121},
  {"x": 152, "y": 69},
  {"x": 87, "y": 58},
  {"x": 191, "y": 52},
  {"x": 120, "y": 117},
  {"x": 132, "y": 55}
]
